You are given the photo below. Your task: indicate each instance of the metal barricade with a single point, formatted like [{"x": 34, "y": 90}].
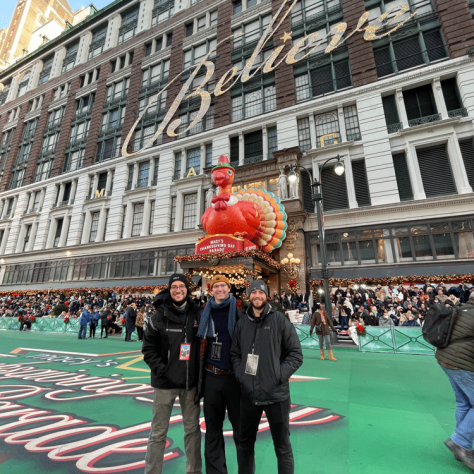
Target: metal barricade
[
  {"x": 409, "y": 340},
  {"x": 375, "y": 339},
  {"x": 307, "y": 341}
]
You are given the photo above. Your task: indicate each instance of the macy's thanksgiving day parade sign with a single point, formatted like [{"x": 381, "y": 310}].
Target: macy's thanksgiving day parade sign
[{"x": 299, "y": 51}]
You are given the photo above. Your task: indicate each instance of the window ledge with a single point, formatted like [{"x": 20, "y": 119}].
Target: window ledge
[
  {"x": 250, "y": 12},
  {"x": 31, "y": 214},
  {"x": 427, "y": 126},
  {"x": 60, "y": 207},
  {"x": 137, "y": 190},
  {"x": 200, "y": 35},
  {"x": 120, "y": 74},
  {"x": 57, "y": 103},
  {"x": 198, "y": 177},
  {"x": 33, "y": 114},
  {"x": 336, "y": 146},
  {"x": 86, "y": 89},
  {"x": 9, "y": 125},
  {"x": 163, "y": 53}
]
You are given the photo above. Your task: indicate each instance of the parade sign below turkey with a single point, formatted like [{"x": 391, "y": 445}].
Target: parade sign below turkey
[{"x": 300, "y": 50}]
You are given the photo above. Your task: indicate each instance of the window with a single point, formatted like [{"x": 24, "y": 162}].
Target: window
[
  {"x": 208, "y": 155},
  {"x": 113, "y": 118},
  {"x": 327, "y": 129},
  {"x": 236, "y": 6},
  {"x": 206, "y": 123},
  {"x": 435, "y": 170},
  {"x": 67, "y": 193},
  {"x": 23, "y": 85},
  {"x": 173, "y": 213},
  {"x": 144, "y": 134},
  {"x": 8, "y": 213},
  {"x": 94, "y": 226},
  {"x": 361, "y": 184},
  {"x": 152, "y": 217},
  {"x": 108, "y": 149},
  {"x": 307, "y": 12},
  {"x": 213, "y": 18},
  {"x": 137, "y": 219},
  {"x": 117, "y": 91},
  {"x": 106, "y": 222},
  {"x": 272, "y": 141},
  {"x": 36, "y": 202},
  {"x": 334, "y": 190},
  {"x": 452, "y": 98},
  {"x": 253, "y": 147},
  {"x": 23, "y": 155},
  {"x": 420, "y": 105},
  {"x": 423, "y": 47},
  {"x": 98, "y": 41},
  {"x": 234, "y": 151},
  {"x": 391, "y": 114},
  {"x": 403, "y": 177},
  {"x": 129, "y": 25},
  {"x": 352, "y": 123},
  {"x": 196, "y": 53},
  {"x": 467, "y": 152},
  {"x": 130, "y": 177},
  {"x": 189, "y": 29},
  {"x": 177, "y": 165},
  {"x": 84, "y": 106},
  {"x": 102, "y": 183},
  {"x": 27, "y": 237},
  {"x": 189, "y": 211},
  {"x": 162, "y": 10},
  {"x": 46, "y": 72},
  {"x": 256, "y": 102},
  {"x": 73, "y": 160},
  {"x": 156, "y": 167},
  {"x": 304, "y": 134},
  {"x": 57, "y": 235},
  {"x": 143, "y": 174},
  {"x": 78, "y": 134},
  {"x": 155, "y": 74},
  {"x": 70, "y": 58},
  {"x": 124, "y": 217},
  {"x": 193, "y": 160}
]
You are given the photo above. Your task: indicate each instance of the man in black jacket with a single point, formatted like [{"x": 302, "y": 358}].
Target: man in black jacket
[
  {"x": 171, "y": 350},
  {"x": 130, "y": 318},
  {"x": 217, "y": 381},
  {"x": 265, "y": 353}
]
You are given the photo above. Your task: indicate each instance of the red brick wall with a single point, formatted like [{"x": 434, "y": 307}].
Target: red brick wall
[
  {"x": 38, "y": 139},
  {"x": 223, "y": 62},
  {"x": 361, "y": 55},
  {"x": 284, "y": 77},
  {"x": 132, "y": 96},
  {"x": 96, "y": 118},
  {"x": 60, "y": 152},
  {"x": 457, "y": 25},
  {"x": 7, "y": 173}
]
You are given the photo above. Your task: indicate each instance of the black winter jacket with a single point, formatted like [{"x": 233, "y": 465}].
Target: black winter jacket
[
  {"x": 461, "y": 354},
  {"x": 274, "y": 339},
  {"x": 162, "y": 342}
]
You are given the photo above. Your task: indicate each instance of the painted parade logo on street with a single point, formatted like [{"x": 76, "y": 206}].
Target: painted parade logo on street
[{"x": 30, "y": 425}]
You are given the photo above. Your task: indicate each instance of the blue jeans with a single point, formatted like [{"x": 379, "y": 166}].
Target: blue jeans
[
  {"x": 462, "y": 382},
  {"x": 82, "y": 332},
  {"x": 300, "y": 306},
  {"x": 344, "y": 322}
]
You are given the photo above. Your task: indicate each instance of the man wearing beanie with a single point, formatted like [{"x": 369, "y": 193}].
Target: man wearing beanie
[
  {"x": 171, "y": 350},
  {"x": 216, "y": 380},
  {"x": 265, "y": 353}
]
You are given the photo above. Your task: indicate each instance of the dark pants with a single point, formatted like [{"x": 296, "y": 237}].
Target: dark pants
[
  {"x": 221, "y": 392},
  {"x": 140, "y": 333},
  {"x": 92, "y": 330},
  {"x": 129, "y": 331},
  {"x": 344, "y": 322},
  {"x": 104, "y": 327},
  {"x": 278, "y": 416}
]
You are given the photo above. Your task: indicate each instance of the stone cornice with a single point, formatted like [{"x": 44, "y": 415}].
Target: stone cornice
[
  {"x": 314, "y": 152},
  {"x": 201, "y": 35},
  {"x": 250, "y": 13},
  {"x": 58, "y": 103},
  {"x": 9, "y": 125},
  {"x": 33, "y": 114},
  {"x": 386, "y": 210}
]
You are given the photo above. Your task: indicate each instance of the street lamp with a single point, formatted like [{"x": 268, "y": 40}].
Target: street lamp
[
  {"x": 291, "y": 266},
  {"x": 317, "y": 197}
]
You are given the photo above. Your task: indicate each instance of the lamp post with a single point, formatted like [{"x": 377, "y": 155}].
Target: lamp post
[{"x": 317, "y": 198}]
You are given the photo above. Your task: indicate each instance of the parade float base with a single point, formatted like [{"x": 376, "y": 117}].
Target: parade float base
[{"x": 366, "y": 413}]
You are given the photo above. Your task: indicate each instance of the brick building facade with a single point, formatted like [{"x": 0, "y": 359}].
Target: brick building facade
[{"x": 397, "y": 109}]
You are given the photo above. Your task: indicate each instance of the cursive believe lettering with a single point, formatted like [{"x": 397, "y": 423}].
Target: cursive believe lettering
[{"x": 308, "y": 43}]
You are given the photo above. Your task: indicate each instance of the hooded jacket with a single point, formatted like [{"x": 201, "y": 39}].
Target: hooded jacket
[
  {"x": 162, "y": 343},
  {"x": 274, "y": 340}
]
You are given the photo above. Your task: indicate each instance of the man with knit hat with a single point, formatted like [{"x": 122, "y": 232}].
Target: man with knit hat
[
  {"x": 265, "y": 353},
  {"x": 171, "y": 350},
  {"x": 217, "y": 381}
]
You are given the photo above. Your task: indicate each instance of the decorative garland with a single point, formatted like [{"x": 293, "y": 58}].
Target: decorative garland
[
  {"x": 400, "y": 280},
  {"x": 293, "y": 286},
  {"x": 256, "y": 254}
]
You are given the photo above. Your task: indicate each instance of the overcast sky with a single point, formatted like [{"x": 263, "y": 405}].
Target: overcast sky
[{"x": 8, "y": 6}]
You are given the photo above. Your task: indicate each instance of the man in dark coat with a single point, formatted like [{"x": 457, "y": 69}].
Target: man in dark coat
[
  {"x": 171, "y": 350},
  {"x": 457, "y": 361},
  {"x": 130, "y": 318},
  {"x": 265, "y": 353}
]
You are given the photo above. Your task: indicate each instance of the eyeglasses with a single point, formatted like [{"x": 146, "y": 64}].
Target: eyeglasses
[
  {"x": 178, "y": 288},
  {"x": 218, "y": 287}
]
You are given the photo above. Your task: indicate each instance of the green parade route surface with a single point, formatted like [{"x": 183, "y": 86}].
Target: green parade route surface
[{"x": 382, "y": 413}]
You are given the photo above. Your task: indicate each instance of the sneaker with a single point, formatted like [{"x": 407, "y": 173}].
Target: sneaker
[{"x": 461, "y": 454}]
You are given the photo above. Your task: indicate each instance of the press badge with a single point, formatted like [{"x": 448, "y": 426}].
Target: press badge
[
  {"x": 252, "y": 364},
  {"x": 216, "y": 349},
  {"x": 184, "y": 351}
]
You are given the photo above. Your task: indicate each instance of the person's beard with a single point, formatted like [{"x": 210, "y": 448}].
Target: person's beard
[{"x": 262, "y": 305}]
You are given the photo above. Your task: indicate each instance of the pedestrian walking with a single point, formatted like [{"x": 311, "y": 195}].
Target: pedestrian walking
[{"x": 321, "y": 323}]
